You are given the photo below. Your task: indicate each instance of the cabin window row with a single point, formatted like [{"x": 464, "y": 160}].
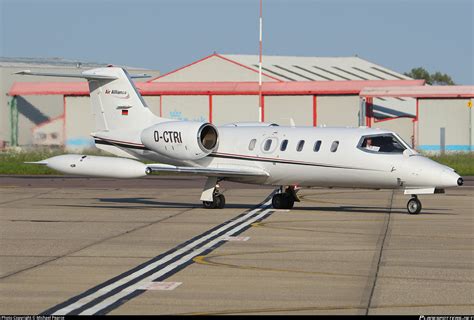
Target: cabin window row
[{"x": 271, "y": 142}]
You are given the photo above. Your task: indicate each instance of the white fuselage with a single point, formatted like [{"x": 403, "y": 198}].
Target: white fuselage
[
  {"x": 349, "y": 166},
  {"x": 256, "y": 153}
]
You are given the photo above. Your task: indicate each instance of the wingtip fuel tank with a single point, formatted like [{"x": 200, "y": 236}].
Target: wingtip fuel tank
[{"x": 95, "y": 166}]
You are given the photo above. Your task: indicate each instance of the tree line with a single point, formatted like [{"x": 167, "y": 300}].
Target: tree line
[{"x": 436, "y": 78}]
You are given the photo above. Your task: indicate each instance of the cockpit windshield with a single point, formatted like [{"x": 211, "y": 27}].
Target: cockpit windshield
[{"x": 384, "y": 143}]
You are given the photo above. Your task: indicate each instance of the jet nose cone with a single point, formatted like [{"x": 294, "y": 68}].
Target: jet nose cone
[{"x": 449, "y": 179}]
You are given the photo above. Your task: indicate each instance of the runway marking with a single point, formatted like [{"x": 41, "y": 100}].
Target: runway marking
[
  {"x": 209, "y": 261},
  {"x": 114, "y": 292},
  {"x": 237, "y": 239},
  {"x": 161, "y": 286}
]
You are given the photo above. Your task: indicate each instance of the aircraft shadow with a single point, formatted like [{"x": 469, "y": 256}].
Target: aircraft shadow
[
  {"x": 143, "y": 203},
  {"x": 352, "y": 209}
]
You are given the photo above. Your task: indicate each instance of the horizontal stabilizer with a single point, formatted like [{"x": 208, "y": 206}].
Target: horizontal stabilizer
[
  {"x": 139, "y": 76},
  {"x": 66, "y": 75},
  {"x": 77, "y": 75},
  {"x": 209, "y": 172}
]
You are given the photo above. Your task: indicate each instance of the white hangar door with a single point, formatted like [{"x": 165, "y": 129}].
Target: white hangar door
[
  {"x": 280, "y": 109},
  {"x": 338, "y": 111},
  {"x": 79, "y": 123},
  {"x": 230, "y": 109},
  {"x": 189, "y": 108},
  {"x": 451, "y": 114}
]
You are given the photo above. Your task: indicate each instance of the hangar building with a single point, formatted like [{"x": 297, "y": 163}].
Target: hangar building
[
  {"x": 308, "y": 91},
  {"x": 21, "y": 123}
]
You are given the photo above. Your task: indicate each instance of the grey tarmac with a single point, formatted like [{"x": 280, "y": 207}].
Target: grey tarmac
[{"x": 339, "y": 251}]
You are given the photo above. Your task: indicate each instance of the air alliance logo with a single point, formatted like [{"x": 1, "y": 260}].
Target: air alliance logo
[{"x": 121, "y": 94}]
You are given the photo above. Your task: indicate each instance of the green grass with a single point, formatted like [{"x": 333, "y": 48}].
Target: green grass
[
  {"x": 463, "y": 163},
  {"x": 12, "y": 162}
]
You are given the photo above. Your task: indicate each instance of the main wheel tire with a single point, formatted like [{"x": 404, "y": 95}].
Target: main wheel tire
[
  {"x": 220, "y": 201},
  {"x": 290, "y": 202},
  {"x": 414, "y": 206},
  {"x": 277, "y": 201},
  {"x": 209, "y": 204},
  {"x": 283, "y": 201}
]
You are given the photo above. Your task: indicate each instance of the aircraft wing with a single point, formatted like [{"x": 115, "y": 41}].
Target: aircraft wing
[{"x": 210, "y": 172}]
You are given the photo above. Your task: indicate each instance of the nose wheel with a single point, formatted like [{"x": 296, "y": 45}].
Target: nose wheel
[{"x": 414, "y": 205}]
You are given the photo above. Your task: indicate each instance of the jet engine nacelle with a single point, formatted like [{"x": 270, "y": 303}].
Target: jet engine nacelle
[
  {"x": 183, "y": 140},
  {"x": 95, "y": 166}
]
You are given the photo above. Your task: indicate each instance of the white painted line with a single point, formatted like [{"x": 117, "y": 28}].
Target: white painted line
[
  {"x": 83, "y": 301},
  {"x": 116, "y": 297},
  {"x": 236, "y": 238},
  {"x": 160, "y": 286}
]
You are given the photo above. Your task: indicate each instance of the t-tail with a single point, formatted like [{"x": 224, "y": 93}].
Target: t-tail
[
  {"x": 116, "y": 102},
  {"x": 119, "y": 111}
]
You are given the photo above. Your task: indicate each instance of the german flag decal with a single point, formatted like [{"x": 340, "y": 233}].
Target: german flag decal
[{"x": 124, "y": 112}]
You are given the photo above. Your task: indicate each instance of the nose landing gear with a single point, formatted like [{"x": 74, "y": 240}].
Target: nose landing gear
[{"x": 414, "y": 205}]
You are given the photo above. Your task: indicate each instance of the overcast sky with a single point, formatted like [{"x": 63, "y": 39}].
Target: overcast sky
[{"x": 164, "y": 35}]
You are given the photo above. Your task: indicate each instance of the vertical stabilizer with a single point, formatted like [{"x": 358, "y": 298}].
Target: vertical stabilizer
[{"x": 116, "y": 103}]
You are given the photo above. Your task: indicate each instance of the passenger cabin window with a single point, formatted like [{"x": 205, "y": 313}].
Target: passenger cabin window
[
  {"x": 252, "y": 144},
  {"x": 385, "y": 143},
  {"x": 317, "y": 146},
  {"x": 300, "y": 145},
  {"x": 267, "y": 145},
  {"x": 284, "y": 144},
  {"x": 334, "y": 146}
]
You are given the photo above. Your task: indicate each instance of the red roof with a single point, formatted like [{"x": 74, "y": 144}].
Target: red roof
[
  {"x": 216, "y": 88},
  {"x": 421, "y": 92}
]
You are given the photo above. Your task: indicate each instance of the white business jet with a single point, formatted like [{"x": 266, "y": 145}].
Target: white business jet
[{"x": 256, "y": 153}]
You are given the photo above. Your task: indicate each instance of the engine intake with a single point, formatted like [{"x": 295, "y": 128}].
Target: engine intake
[
  {"x": 207, "y": 137},
  {"x": 183, "y": 140}
]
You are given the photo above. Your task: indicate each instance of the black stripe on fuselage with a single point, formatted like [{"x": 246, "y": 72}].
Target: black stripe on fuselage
[
  {"x": 247, "y": 158},
  {"x": 238, "y": 157},
  {"x": 119, "y": 144}
]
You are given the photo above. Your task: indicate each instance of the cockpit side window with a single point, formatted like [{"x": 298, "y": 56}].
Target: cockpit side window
[{"x": 383, "y": 143}]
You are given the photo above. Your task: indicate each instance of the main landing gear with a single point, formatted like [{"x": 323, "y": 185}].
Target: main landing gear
[
  {"x": 211, "y": 197},
  {"x": 218, "y": 202},
  {"x": 414, "y": 205},
  {"x": 285, "y": 200}
]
